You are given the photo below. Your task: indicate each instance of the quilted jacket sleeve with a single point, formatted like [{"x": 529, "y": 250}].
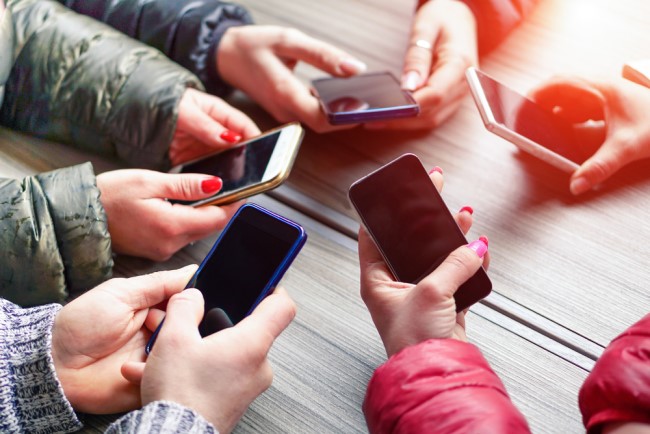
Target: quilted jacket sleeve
[
  {"x": 76, "y": 80},
  {"x": 443, "y": 386},
  {"x": 618, "y": 387},
  {"x": 187, "y": 31},
  {"x": 54, "y": 236}
]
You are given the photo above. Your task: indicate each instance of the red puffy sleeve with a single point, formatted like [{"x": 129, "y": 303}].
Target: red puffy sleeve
[
  {"x": 618, "y": 388},
  {"x": 443, "y": 386}
]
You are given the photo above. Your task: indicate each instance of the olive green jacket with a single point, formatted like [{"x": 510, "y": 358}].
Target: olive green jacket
[{"x": 69, "y": 78}]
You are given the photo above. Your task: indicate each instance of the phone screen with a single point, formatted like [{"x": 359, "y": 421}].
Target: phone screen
[
  {"x": 364, "y": 97},
  {"x": 528, "y": 119},
  {"x": 247, "y": 260},
  {"x": 239, "y": 166},
  {"x": 411, "y": 225}
]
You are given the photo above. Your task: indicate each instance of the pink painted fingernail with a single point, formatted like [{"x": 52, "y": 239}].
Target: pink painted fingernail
[
  {"x": 436, "y": 169},
  {"x": 211, "y": 185},
  {"x": 230, "y": 136},
  {"x": 411, "y": 80},
  {"x": 352, "y": 66},
  {"x": 479, "y": 247},
  {"x": 484, "y": 239},
  {"x": 468, "y": 209}
]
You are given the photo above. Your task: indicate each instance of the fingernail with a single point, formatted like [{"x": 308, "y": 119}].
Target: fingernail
[
  {"x": 484, "y": 239},
  {"x": 579, "y": 186},
  {"x": 479, "y": 247},
  {"x": 230, "y": 136},
  {"x": 467, "y": 208},
  {"x": 352, "y": 66},
  {"x": 411, "y": 80},
  {"x": 436, "y": 169},
  {"x": 211, "y": 185}
]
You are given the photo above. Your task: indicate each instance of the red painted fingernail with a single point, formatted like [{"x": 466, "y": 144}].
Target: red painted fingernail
[
  {"x": 211, "y": 185},
  {"x": 436, "y": 169},
  {"x": 479, "y": 247},
  {"x": 484, "y": 239},
  {"x": 469, "y": 209},
  {"x": 230, "y": 136}
]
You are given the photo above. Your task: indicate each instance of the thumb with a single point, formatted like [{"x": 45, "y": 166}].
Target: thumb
[
  {"x": 184, "y": 314},
  {"x": 133, "y": 371},
  {"x": 188, "y": 186},
  {"x": 603, "y": 164}
]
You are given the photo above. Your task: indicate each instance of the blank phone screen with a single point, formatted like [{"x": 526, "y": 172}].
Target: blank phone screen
[
  {"x": 528, "y": 119},
  {"x": 239, "y": 166},
  {"x": 359, "y": 93},
  {"x": 411, "y": 225},
  {"x": 243, "y": 264}
]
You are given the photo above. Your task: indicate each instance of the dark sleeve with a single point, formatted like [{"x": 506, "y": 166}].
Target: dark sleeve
[
  {"x": 54, "y": 236},
  {"x": 31, "y": 397},
  {"x": 618, "y": 387},
  {"x": 496, "y": 18},
  {"x": 443, "y": 386},
  {"x": 187, "y": 31},
  {"x": 77, "y": 81}
]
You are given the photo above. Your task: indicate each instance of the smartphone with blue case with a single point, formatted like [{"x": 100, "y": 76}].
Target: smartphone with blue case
[{"x": 245, "y": 264}]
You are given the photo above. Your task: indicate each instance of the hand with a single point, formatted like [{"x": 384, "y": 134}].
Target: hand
[
  {"x": 406, "y": 314},
  {"x": 436, "y": 75},
  {"x": 260, "y": 60},
  {"x": 219, "y": 375},
  {"x": 142, "y": 223},
  {"x": 207, "y": 124},
  {"x": 622, "y": 137},
  {"x": 95, "y": 334}
]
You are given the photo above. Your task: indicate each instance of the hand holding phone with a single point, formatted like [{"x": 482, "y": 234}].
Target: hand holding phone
[
  {"x": 364, "y": 98},
  {"x": 253, "y": 167},
  {"x": 245, "y": 264},
  {"x": 411, "y": 225},
  {"x": 526, "y": 124}
]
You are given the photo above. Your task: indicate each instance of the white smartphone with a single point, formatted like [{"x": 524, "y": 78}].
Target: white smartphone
[
  {"x": 255, "y": 166},
  {"x": 529, "y": 126}
]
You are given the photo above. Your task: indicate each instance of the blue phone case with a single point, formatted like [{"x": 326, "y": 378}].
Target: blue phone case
[{"x": 290, "y": 255}]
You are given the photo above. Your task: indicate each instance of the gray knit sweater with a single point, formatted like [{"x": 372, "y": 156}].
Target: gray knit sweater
[{"x": 32, "y": 399}]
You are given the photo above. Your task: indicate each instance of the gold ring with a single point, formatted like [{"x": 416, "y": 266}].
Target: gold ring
[{"x": 423, "y": 44}]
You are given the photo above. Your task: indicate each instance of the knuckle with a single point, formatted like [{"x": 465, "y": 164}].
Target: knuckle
[{"x": 289, "y": 36}]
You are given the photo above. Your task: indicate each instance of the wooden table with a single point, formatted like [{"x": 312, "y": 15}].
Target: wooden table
[{"x": 568, "y": 274}]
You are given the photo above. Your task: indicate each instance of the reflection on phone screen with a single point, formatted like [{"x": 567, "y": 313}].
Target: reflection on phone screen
[
  {"x": 238, "y": 166},
  {"x": 242, "y": 264},
  {"x": 532, "y": 121}
]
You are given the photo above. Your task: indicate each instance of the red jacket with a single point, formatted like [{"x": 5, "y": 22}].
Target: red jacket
[
  {"x": 618, "y": 388},
  {"x": 434, "y": 387}
]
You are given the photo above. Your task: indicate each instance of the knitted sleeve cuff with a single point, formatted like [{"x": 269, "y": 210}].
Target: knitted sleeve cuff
[{"x": 162, "y": 417}]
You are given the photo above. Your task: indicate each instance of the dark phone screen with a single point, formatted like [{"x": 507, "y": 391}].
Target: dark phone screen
[
  {"x": 411, "y": 224},
  {"x": 530, "y": 120},
  {"x": 359, "y": 93},
  {"x": 239, "y": 166},
  {"x": 242, "y": 265}
]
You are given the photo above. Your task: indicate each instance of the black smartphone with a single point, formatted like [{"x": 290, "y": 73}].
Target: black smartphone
[
  {"x": 411, "y": 225},
  {"x": 245, "y": 264},
  {"x": 364, "y": 98},
  {"x": 526, "y": 124},
  {"x": 255, "y": 166}
]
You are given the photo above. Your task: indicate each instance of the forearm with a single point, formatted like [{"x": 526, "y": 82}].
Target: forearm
[
  {"x": 31, "y": 397},
  {"x": 54, "y": 235},
  {"x": 442, "y": 383},
  {"x": 77, "y": 81},
  {"x": 162, "y": 417},
  {"x": 188, "y": 32}
]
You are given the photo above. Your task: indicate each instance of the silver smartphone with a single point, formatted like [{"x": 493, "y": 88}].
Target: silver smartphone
[
  {"x": 521, "y": 121},
  {"x": 255, "y": 166}
]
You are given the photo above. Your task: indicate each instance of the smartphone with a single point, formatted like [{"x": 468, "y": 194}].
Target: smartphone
[
  {"x": 364, "y": 98},
  {"x": 255, "y": 166},
  {"x": 411, "y": 225},
  {"x": 244, "y": 265},
  {"x": 531, "y": 127}
]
